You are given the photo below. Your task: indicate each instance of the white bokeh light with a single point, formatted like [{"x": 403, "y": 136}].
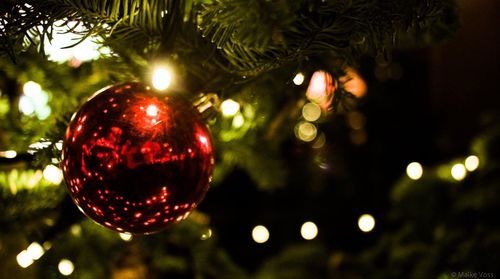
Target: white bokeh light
[
  {"x": 366, "y": 223},
  {"x": 23, "y": 259},
  {"x": 472, "y": 163},
  {"x": 414, "y": 170},
  {"x": 298, "y": 79},
  {"x": 309, "y": 230},
  {"x": 458, "y": 172},
  {"x": 260, "y": 234},
  {"x": 53, "y": 174},
  {"x": 162, "y": 77},
  {"x": 35, "y": 251},
  {"x": 64, "y": 35},
  {"x": 229, "y": 107},
  {"x": 66, "y": 267}
]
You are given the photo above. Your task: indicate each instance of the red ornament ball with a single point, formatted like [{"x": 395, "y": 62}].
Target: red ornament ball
[{"x": 134, "y": 161}]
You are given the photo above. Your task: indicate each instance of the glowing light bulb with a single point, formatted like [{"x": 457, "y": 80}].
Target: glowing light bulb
[
  {"x": 472, "y": 163},
  {"x": 305, "y": 131},
  {"x": 162, "y": 77},
  {"x": 229, "y": 108},
  {"x": 321, "y": 88},
  {"x": 458, "y": 172},
  {"x": 414, "y": 170},
  {"x": 309, "y": 230},
  {"x": 298, "y": 79},
  {"x": 366, "y": 223},
  {"x": 35, "y": 250},
  {"x": 24, "y": 259},
  {"x": 311, "y": 112},
  {"x": 66, "y": 267},
  {"x": 53, "y": 174},
  {"x": 260, "y": 234},
  {"x": 125, "y": 236}
]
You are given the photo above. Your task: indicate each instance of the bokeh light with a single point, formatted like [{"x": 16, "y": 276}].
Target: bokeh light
[
  {"x": 65, "y": 34},
  {"x": 366, "y": 223},
  {"x": 238, "y": 121},
  {"x": 53, "y": 174},
  {"x": 66, "y": 267},
  {"x": 321, "y": 88},
  {"x": 162, "y": 77},
  {"x": 35, "y": 251},
  {"x": 309, "y": 230},
  {"x": 311, "y": 112},
  {"x": 34, "y": 101},
  {"x": 260, "y": 234},
  {"x": 414, "y": 170},
  {"x": 229, "y": 107},
  {"x": 306, "y": 131},
  {"x": 24, "y": 259},
  {"x": 298, "y": 79},
  {"x": 458, "y": 172},
  {"x": 472, "y": 163}
]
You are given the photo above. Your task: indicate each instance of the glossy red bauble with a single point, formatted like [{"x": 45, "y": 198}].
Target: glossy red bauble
[{"x": 135, "y": 161}]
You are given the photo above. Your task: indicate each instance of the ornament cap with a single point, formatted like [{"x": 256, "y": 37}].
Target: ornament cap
[{"x": 207, "y": 104}]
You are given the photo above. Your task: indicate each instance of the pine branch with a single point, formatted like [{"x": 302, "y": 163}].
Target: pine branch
[
  {"x": 346, "y": 28},
  {"x": 131, "y": 20}
]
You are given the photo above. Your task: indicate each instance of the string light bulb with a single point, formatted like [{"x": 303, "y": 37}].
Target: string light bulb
[
  {"x": 298, "y": 79},
  {"x": 309, "y": 230},
  {"x": 162, "y": 77},
  {"x": 472, "y": 163},
  {"x": 458, "y": 172},
  {"x": 260, "y": 234},
  {"x": 35, "y": 251},
  {"x": 66, "y": 267},
  {"x": 414, "y": 170},
  {"x": 23, "y": 259},
  {"x": 366, "y": 223}
]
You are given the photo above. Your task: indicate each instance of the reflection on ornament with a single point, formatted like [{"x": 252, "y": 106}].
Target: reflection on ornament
[
  {"x": 321, "y": 89},
  {"x": 353, "y": 83},
  {"x": 136, "y": 162}
]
